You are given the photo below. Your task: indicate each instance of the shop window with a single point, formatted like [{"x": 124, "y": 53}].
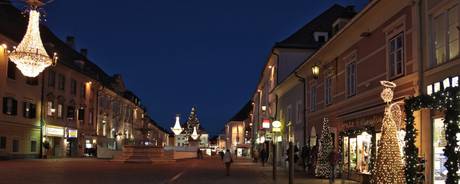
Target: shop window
[
  {"x": 10, "y": 106},
  {"x": 73, "y": 87},
  {"x": 353, "y": 154},
  {"x": 364, "y": 152},
  {"x": 346, "y": 152},
  {"x": 11, "y": 73},
  {"x": 51, "y": 78},
  {"x": 33, "y": 146},
  {"x": 15, "y": 146},
  {"x": 2, "y": 142},
  {"x": 29, "y": 110},
  {"x": 439, "y": 144},
  {"x": 396, "y": 55}
]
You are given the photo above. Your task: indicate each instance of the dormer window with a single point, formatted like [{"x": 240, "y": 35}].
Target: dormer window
[{"x": 321, "y": 37}]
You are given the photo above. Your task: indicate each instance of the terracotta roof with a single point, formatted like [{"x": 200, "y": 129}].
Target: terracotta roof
[{"x": 303, "y": 38}]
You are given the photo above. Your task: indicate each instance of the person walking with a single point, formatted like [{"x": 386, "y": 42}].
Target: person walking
[
  {"x": 221, "y": 154},
  {"x": 263, "y": 156},
  {"x": 333, "y": 162},
  {"x": 228, "y": 161}
]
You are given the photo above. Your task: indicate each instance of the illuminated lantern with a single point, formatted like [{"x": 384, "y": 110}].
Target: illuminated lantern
[
  {"x": 177, "y": 129},
  {"x": 30, "y": 55},
  {"x": 315, "y": 71}
]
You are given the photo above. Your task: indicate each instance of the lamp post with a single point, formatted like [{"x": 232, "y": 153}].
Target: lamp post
[{"x": 276, "y": 127}]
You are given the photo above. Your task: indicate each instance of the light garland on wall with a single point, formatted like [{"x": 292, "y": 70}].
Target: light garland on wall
[
  {"x": 30, "y": 55},
  {"x": 449, "y": 101}
]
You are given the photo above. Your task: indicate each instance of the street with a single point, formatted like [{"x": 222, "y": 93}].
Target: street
[{"x": 104, "y": 171}]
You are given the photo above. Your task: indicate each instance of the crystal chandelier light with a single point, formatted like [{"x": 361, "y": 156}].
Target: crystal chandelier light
[
  {"x": 194, "y": 134},
  {"x": 177, "y": 129},
  {"x": 30, "y": 55}
]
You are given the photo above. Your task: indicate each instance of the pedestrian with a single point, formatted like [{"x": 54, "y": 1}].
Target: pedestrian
[
  {"x": 228, "y": 161},
  {"x": 263, "y": 155},
  {"x": 333, "y": 162},
  {"x": 221, "y": 153}
]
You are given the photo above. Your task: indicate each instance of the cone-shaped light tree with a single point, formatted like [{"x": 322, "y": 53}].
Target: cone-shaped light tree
[
  {"x": 323, "y": 168},
  {"x": 389, "y": 166}
]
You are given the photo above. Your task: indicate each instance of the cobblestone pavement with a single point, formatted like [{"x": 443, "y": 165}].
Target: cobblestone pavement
[{"x": 89, "y": 171}]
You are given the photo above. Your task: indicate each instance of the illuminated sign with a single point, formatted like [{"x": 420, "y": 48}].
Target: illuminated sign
[
  {"x": 266, "y": 123},
  {"x": 54, "y": 131},
  {"x": 276, "y": 126},
  {"x": 73, "y": 133}
]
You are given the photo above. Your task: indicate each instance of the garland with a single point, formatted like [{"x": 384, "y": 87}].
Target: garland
[{"x": 447, "y": 100}]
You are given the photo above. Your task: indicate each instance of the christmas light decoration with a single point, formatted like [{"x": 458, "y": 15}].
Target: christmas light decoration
[
  {"x": 447, "y": 100},
  {"x": 389, "y": 167},
  {"x": 30, "y": 55},
  {"x": 194, "y": 134},
  {"x": 323, "y": 168},
  {"x": 177, "y": 129}
]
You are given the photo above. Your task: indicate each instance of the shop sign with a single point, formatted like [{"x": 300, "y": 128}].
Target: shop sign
[
  {"x": 55, "y": 131},
  {"x": 266, "y": 123},
  {"x": 73, "y": 133}
]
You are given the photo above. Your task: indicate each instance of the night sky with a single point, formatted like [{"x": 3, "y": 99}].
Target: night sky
[{"x": 178, "y": 53}]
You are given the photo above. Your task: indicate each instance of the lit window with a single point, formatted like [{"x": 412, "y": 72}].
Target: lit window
[
  {"x": 455, "y": 81},
  {"x": 437, "y": 87},
  {"x": 50, "y": 108},
  {"x": 445, "y": 36},
  {"x": 446, "y": 83},
  {"x": 59, "y": 110},
  {"x": 429, "y": 89}
]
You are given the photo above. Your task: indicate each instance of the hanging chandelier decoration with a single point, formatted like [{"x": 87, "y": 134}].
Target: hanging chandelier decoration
[
  {"x": 177, "y": 129},
  {"x": 194, "y": 134},
  {"x": 30, "y": 55}
]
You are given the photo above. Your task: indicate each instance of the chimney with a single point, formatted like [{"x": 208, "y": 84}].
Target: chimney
[
  {"x": 71, "y": 41},
  {"x": 84, "y": 52}
]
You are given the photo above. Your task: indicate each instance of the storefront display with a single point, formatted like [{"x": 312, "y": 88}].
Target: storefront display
[{"x": 439, "y": 144}]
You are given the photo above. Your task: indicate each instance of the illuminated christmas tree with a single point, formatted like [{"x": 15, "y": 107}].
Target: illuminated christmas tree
[
  {"x": 323, "y": 168},
  {"x": 389, "y": 166}
]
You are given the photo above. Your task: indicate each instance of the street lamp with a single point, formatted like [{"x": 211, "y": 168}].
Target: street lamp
[
  {"x": 315, "y": 71},
  {"x": 177, "y": 129},
  {"x": 264, "y": 108}
]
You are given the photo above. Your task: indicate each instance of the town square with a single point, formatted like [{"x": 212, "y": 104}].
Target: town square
[{"x": 231, "y": 92}]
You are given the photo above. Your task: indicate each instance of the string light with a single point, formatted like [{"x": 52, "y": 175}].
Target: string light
[
  {"x": 323, "y": 168},
  {"x": 30, "y": 56},
  {"x": 388, "y": 166}
]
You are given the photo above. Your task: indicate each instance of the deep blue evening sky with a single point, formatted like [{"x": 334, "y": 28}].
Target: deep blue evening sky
[{"x": 178, "y": 53}]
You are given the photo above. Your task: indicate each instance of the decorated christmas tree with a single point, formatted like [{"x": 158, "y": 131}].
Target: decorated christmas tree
[
  {"x": 192, "y": 122},
  {"x": 389, "y": 166},
  {"x": 323, "y": 168}
]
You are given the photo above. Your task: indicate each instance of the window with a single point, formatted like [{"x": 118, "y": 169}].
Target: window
[
  {"x": 10, "y": 106},
  {"x": 70, "y": 112},
  {"x": 15, "y": 146},
  {"x": 313, "y": 98},
  {"x": 73, "y": 87},
  {"x": 90, "y": 121},
  {"x": 60, "y": 109},
  {"x": 61, "y": 82},
  {"x": 29, "y": 110},
  {"x": 81, "y": 114},
  {"x": 11, "y": 70},
  {"x": 445, "y": 36},
  {"x": 299, "y": 112},
  {"x": 351, "y": 79},
  {"x": 82, "y": 90},
  {"x": 328, "y": 90},
  {"x": 50, "y": 108},
  {"x": 396, "y": 55},
  {"x": 33, "y": 146},
  {"x": 33, "y": 81},
  {"x": 51, "y": 78},
  {"x": 2, "y": 142}
]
